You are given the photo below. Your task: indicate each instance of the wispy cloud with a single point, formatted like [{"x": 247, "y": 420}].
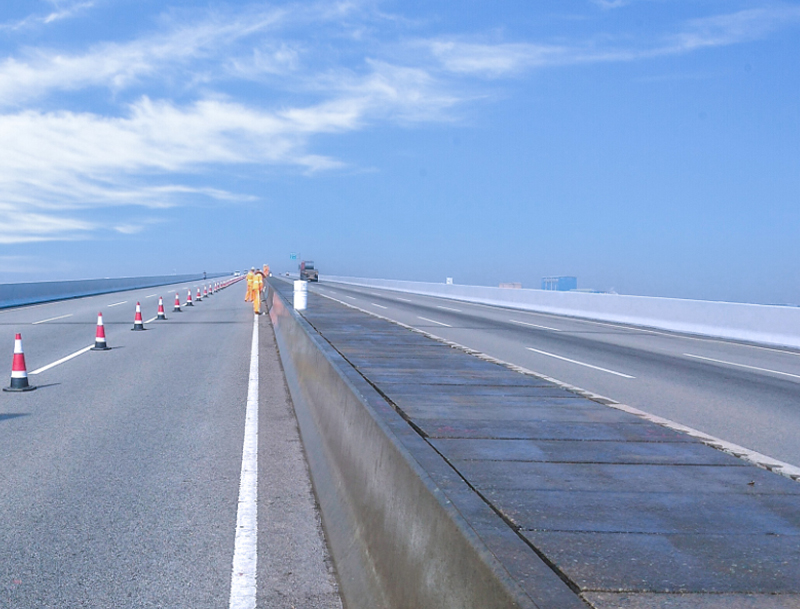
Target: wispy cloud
[
  {"x": 508, "y": 59},
  {"x": 60, "y": 11}
]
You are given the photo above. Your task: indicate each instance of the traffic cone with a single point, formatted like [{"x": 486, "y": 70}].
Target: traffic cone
[
  {"x": 100, "y": 336},
  {"x": 199, "y": 296},
  {"x": 161, "y": 315},
  {"x": 205, "y": 292},
  {"x": 177, "y": 307},
  {"x": 138, "y": 324},
  {"x": 19, "y": 374},
  {"x": 189, "y": 302}
]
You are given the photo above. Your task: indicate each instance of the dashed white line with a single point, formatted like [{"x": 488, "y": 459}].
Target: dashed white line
[
  {"x": 245, "y": 552},
  {"x": 151, "y": 296},
  {"x": 152, "y": 319},
  {"x": 62, "y": 360},
  {"x": 574, "y": 361},
  {"x": 379, "y": 306},
  {"x": 720, "y": 361},
  {"x": 43, "y": 321},
  {"x": 403, "y": 299},
  {"x": 433, "y": 321},
  {"x": 117, "y": 303},
  {"x": 448, "y": 308},
  {"x": 350, "y": 297},
  {"x": 525, "y": 323}
]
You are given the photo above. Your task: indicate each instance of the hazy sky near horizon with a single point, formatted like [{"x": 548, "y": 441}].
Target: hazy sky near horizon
[{"x": 649, "y": 146}]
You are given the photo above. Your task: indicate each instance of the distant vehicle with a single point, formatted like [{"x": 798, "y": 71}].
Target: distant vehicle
[
  {"x": 307, "y": 271},
  {"x": 236, "y": 273}
]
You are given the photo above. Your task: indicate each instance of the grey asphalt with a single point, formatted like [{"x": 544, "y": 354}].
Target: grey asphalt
[
  {"x": 728, "y": 398},
  {"x": 120, "y": 472},
  {"x": 629, "y": 514}
]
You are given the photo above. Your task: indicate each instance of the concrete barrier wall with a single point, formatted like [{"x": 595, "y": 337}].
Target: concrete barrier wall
[
  {"x": 396, "y": 540},
  {"x": 763, "y": 324},
  {"x": 17, "y": 294}
]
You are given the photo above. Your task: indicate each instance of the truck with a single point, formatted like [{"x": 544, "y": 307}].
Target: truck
[{"x": 307, "y": 271}]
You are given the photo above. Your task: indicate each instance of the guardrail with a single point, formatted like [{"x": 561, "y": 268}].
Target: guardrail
[
  {"x": 396, "y": 540},
  {"x": 18, "y": 294},
  {"x": 761, "y": 324}
]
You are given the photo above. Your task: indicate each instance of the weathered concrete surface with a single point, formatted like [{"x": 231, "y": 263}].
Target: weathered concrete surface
[{"x": 628, "y": 513}]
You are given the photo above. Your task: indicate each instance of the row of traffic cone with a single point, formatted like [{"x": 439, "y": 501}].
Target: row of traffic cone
[{"x": 19, "y": 372}]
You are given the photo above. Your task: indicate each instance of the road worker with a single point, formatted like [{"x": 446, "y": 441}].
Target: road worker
[
  {"x": 265, "y": 269},
  {"x": 249, "y": 296},
  {"x": 258, "y": 284}
]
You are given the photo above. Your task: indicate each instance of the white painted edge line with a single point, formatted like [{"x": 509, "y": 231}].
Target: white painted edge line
[
  {"x": 51, "y": 319},
  {"x": 151, "y": 296},
  {"x": 525, "y": 323},
  {"x": 448, "y": 308},
  {"x": 245, "y": 552},
  {"x": 433, "y": 321},
  {"x": 745, "y": 454},
  {"x": 574, "y": 361},
  {"x": 117, "y": 303},
  {"x": 379, "y": 306},
  {"x": 721, "y": 361},
  {"x": 62, "y": 360}
]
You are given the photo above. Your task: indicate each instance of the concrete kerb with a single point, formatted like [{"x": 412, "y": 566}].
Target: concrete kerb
[{"x": 396, "y": 539}]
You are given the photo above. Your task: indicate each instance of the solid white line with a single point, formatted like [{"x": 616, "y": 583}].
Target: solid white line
[
  {"x": 61, "y": 361},
  {"x": 379, "y": 306},
  {"x": 51, "y": 319},
  {"x": 525, "y": 323},
  {"x": 151, "y": 296},
  {"x": 117, "y": 303},
  {"x": 448, "y": 308},
  {"x": 245, "y": 555},
  {"x": 719, "y": 361},
  {"x": 572, "y": 361},
  {"x": 434, "y": 321}
]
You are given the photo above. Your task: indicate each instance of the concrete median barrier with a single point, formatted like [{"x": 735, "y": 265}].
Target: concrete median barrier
[{"x": 396, "y": 538}]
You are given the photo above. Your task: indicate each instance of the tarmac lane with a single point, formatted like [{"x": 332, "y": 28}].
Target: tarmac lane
[{"x": 121, "y": 472}]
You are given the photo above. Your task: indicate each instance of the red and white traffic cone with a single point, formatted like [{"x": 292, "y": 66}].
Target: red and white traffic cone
[
  {"x": 205, "y": 292},
  {"x": 100, "y": 336},
  {"x": 189, "y": 302},
  {"x": 138, "y": 324},
  {"x": 177, "y": 307},
  {"x": 161, "y": 316},
  {"x": 199, "y": 295},
  {"x": 19, "y": 374}
]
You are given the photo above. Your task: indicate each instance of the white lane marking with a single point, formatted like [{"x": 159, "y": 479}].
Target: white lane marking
[
  {"x": 245, "y": 555},
  {"x": 433, "y": 321},
  {"x": 379, "y": 306},
  {"x": 403, "y": 299},
  {"x": 525, "y": 323},
  {"x": 745, "y": 454},
  {"x": 350, "y": 297},
  {"x": 117, "y": 303},
  {"x": 574, "y": 361},
  {"x": 151, "y": 319},
  {"x": 151, "y": 296},
  {"x": 720, "y": 361},
  {"x": 448, "y": 308},
  {"x": 52, "y": 319},
  {"x": 62, "y": 360}
]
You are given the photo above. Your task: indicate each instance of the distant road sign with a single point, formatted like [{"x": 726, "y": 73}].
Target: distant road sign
[{"x": 292, "y": 256}]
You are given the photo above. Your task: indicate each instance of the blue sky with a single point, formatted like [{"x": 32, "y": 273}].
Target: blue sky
[{"x": 649, "y": 146}]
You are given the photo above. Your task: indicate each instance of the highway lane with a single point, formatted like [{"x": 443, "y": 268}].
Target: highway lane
[
  {"x": 744, "y": 394},
  {"x": 120, "y": 473}
]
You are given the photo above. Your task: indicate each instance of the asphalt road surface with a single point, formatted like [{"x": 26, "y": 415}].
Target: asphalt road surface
[
  {"x": 120, "y": 473},
  {"x": 744, "y": 394}
]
